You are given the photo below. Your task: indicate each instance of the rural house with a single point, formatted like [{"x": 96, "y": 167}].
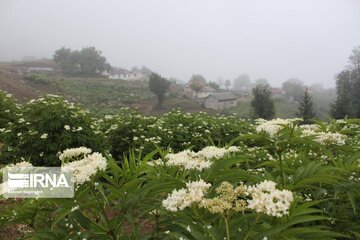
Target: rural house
[
  {"x": 124, "y": 74},
  {"x": 203, "y": 93},
  {"x": 220, "y": 101},
  {"x": 277, "y": 92}
]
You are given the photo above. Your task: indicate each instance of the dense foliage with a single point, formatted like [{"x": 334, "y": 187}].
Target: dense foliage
[
  {"x": 8, "y": 109},
  {"x": 175, "y": 130},
  {"x": 193, "y": 176},
  {"x": 294, "y": 89},
  {"x": 347, "y": 101},
  {"x": 306, "y": 108},
  {"x": 262, "y": 104},
  {"x": 43, "y": 128},
  {"x": 159, "y": 86},
  {"x": 86, "y": 62},
  {"x": 197, "y": 82}
]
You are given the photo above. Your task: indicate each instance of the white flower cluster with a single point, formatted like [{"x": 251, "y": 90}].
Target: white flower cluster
[
  {"x": 272, "y": 127},
  {"x": 198, "y": 160},
  {"x": 185, "y": 197},
  {"x": 188, "y": 160},
  {"x": 330, "y": 138},
  {"x": 74, "y": 153},
  {"x": 86, "y": 167},
  {"x": 324, "y": 138},
  {"x": 44, "y": 136},
  {"x": 157, "y": 162},
  {"x": 215, "y": 152},
  {"x": 265, "y": 198},
  {"x": 312, "y": 127}
]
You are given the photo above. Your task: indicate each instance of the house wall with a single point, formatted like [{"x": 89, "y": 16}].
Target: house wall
[
  {"x": 213, "y": 103},
  {"x": 127, "y": 76}
]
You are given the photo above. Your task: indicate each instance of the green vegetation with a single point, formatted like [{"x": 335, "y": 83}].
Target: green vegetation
[
  {"x": 159, "y": 86},
  {"x": 45, "y": 126},
  {"x": 37, "y": 78},
  {"x": 348, "y": 89},
  {"x": 86, "y": 62},
  {"x": 306, "y": 108},
  {"x": 188, "y": 176},
  {"x": 294, "y": 89},
  {"x": 101, "y": 95},
  {"x": 262, "y": 104},
  {"x": 8, "y": 109},
  {"x": 197, "y": 82}
]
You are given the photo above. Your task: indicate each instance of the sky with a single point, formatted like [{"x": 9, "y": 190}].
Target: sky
[{"x": 274, "y": 39}]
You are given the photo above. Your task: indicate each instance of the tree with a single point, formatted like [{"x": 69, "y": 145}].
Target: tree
[
  {"x": 227, "y": 84},
  {"x": 261, "y": 81},
  {"x": 262, "y": 104},
  {"x": 306, "y": 108},
  {"x": 317, "y": 88},
  {"x": 159, "y": 86},
  {"x": 342, "y": 106},
  {"x": 220, "y": 82},
  {"x": 91, "y": 61},
  {"x": 88, "y": 61},
  {"x": 197, "y": 82},
  {"x": 67, "y": 61},
  {"x": 214, "y": 85},
  {"x": 347, "y": 101},
  {"x": 294, "y": 88},
  {"x": 242, "y": 82}
]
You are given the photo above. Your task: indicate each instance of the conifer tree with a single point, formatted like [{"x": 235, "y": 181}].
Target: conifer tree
[{"x": 306, "y": 108}]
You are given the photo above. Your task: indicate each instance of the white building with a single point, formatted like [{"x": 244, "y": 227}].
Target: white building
[
  {"x": 124, "y": 74},
  {"x": 203, "y": 93}
]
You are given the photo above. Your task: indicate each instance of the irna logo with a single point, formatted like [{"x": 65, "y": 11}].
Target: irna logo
[
  {"x": 35, "y": 180},
  {"x": 38, "y": 182}
]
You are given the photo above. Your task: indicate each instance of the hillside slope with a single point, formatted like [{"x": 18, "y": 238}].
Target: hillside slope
[
  {"x": 100, "y": 95},
  {"x": 14, "y": 84}
]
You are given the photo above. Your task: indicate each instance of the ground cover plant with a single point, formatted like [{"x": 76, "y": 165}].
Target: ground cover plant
[
  {"x": 101, "y": 95},
  {"x": 188, "y": 176}
]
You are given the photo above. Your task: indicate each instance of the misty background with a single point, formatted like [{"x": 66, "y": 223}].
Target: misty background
[{"x": 276, "y": 40}]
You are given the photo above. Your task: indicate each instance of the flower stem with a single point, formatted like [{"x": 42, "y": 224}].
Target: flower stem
[
  {"x": 251, "y": 227},
  {"x": 227, "y": 227},
  {"x": 203, "y": 222},
  {"x": 282, "y": 171}
]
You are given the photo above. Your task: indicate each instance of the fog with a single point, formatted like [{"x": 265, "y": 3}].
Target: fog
[{"x": 277, "y": 40}]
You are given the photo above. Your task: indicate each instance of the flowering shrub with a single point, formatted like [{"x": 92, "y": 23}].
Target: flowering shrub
[
  {"x": 269, "y": 180},
  {"x": 46, "y": 126},
  {"x": 176, "y": 130},
  {"x": 8, "y": 110}
]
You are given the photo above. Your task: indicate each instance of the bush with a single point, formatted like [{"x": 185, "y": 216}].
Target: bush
[
  {"x": 37, "y": 78},
  {"x": 8, "y": 109},
  {"x": 45, "y": 126},
  {"x": 175, "y": 130}
]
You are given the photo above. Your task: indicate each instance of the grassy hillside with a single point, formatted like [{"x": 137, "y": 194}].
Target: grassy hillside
[{"x": 101, "y": 95}]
